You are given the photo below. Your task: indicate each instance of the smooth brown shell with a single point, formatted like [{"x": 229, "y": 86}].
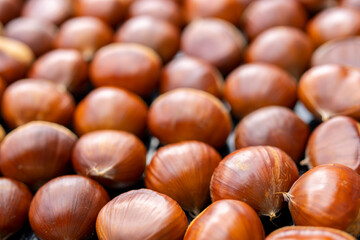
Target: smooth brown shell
[
  {"x": 350, "y": 3},
  {"x": 9, "y": 9}
]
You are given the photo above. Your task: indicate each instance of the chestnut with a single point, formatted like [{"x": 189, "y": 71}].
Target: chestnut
[
  {"x": 2, "y": 134},
  {"x": 190, "y": 72},
  {"x": 183, "y": 172},
  {"x": 141, "y": 214},
  {"x": 340, "y": 81},
  {"x": 189, "y": 114},
  {"x": 273, "y": 13},
  {"x": 67, "y": 68},
  {"x": 255, "y": 85},
  {"x": 226, "y": 219},
  {"x": 36, "y": 152},
  {"x": 326, "y": 196},
  {"x": 66, "y": 208},
  {"x": 9, "y": 9},
  {"x": 86, "y": 34},
  {"x": 36, "y": 99},
  {"x": 126, "y": 65},
  {"x": 15, "y": 200},
  {"x": 350, "y": 3},
  {"x": 273, "y": 126},
  {"x": 120, "y": 110},
  {"x": 317, "y": 5},
  {"x": 256, "y": 176},
  {"x": 15, "y": 59},
  {"x": 286, "y": 47},
  {"x": 215, "y": 41},
  {"x": 3, "y": 86}
]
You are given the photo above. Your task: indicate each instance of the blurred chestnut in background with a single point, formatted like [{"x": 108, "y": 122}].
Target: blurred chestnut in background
[
  {"x": 36, "y": 152},
  {"x": 55, "y": 11},
  {"x": 317, "y": 5},
  {"x": 183, "y": 172},
  {"x": 327, "y": 196},
  {"x": 160, "y": 35},
  {"x": 286, "y": 47},
  {"x": 36, "y": 99},
  {"x": 9, "y": 9},
  {"x": 215, "y": 41},
  {"x": 63, "y": 66},
  {"x": 273, "y": 126},
  {"x": 15, "y": 59},
  {"x": 114, "y": 158},
  {"x": 3, "y": 86},
  {"x": 322, "y": 27},
  {"x": 350, "y": 3},
  {"x": 189, "y": 114},
  {"x": 189, "y": 72},
  {"x": 141, "y": 214},
  {"x": 126, "y": 65},
  {"x": 331, "y": 90},
  {"x": 263, "y": 14},
  {"x": 15, "y": 200},
  {"x": 256, "y": 176},
  {"x": 255, "y": 85},
  {"x": 66, "y": 208},
  {"x": 111, "y": 108}
]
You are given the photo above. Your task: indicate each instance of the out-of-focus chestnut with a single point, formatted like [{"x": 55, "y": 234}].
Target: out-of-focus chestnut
[
  {"x": 226, "y": 220},
  {"x": 215, "y": 41},
  {"x": 183, "y": 172},
  {"x": 9, "y": 9},
  {"x": 350, "y": 3},
  {"x": 327, "y": 196},
  {"x": 255, "y": 85},
  {"x": 317, "y": 5},
  {"x": 36, "y": 99},
  {"x": 286, "y": 47},
  {"x": 114, "y": 158},
  {"x": 111, "y": 108},
  {"x": 63, "y": 66},
  {"x": 3, "y": 86},
  {"x": 15, "y": 200},
  {"x": 262, "y": 15},
  {"x": 189, "y": 72},
  {"x": 160, "y": 35},
  {"x": 189, "y": 114},
  {"x": 303, "y": 233},
  {"x": 55, "y": 11},
  {"x": 36, "y": 152},
  {"x": 15, "y": 59},
  {"x": 126, "y": 65},
  {"x": 273, "y": 126},
  {"x": 141, "y": 214},
  {"x": 2, "y": 134},
  {"x": 66, "y": 208},
  {"x": 256, "y": 176},
  {"x": 323, "y": 89}
]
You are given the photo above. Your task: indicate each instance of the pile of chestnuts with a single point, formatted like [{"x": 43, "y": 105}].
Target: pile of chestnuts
[{"x": 179, "y": 119}]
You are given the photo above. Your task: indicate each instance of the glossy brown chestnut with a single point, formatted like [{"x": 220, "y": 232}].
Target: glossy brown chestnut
[
  {"x": 183, "y": 172},
  {"x": 226, "y": 220},
  {"x": 304, "y": 233},
  {"x": 255, "y": 85},
  {"x": 141, "y": 214},
  {"x": 126, "y": 65},
  {"x": 120, "y": 110},
  {"x": 286, "y": 47},
  {"x": 189, "y": 72},
  {"x": 350, "y": 3},
  {"x": 215, "y": 41},
  {"x": 327, "y": 196},
  {"x": 189, "y": 114},
  {"x": 15, "y": 59},
  {"x": 36, "y": 152},
  {"x": 15, "y": 200},
  {"x": 273, "y": 13},
  {"x": 325, "y": 102},
  {"x": 67, "y": 67},
  {"x": 256, "y": 176},
  {"x": 273, "y": 126},
  {"x": 9, "y": 9},
  {"x": 66, "y": 208},
  {"x": 36, "y": 99}
]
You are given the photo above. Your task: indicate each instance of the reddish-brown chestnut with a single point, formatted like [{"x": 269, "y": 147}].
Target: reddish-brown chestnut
[
  {"x": 256, "y": 176},
  {"x": 226, "y": 220},
  {"x": 66, "y": 208},
  {"x": 2, "y": 134},
  {"x": 141, "y": 214},
  {"x": 189, "y": 114},
  {"x": 3, "y": 86},
  {"x": 9, "y": 9},
  {"x": 15, "y": 200},
  {"x": 355, "y": 4}
]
